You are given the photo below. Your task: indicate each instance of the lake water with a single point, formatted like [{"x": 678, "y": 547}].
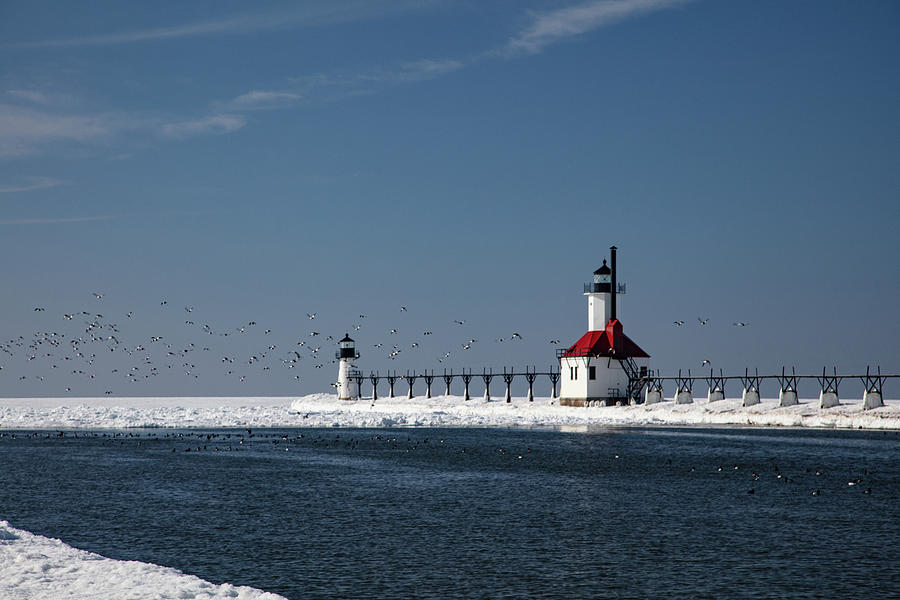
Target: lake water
[{"x": 477, "y": 513}]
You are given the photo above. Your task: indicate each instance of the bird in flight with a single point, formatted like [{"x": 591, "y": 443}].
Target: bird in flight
[
  {"x": 458, "y": 322},
  {"x": 554, "y": 341},
  {"x": 679, "y": 323},
  {"x": 311, "y": 316},
  {"x": 393, "y": 331},
  {"x": 98, "y": 296},
  {"x": 703, "y": 321},
  {"x": 516, "y": 336},
  {"x": 402, "y": 309},
  {"x": 704, "y": 363},
  {"x": 741, "y": 324}
]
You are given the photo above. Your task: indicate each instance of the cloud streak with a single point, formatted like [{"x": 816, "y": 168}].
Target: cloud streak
[
  {"x": 215, "y": 124},
  {"x": 37, "y": 183},
  {"x": 261, "y": 100},
  {"x": 306, "y": 16},
  {"x": 24, "y": 130},
  {"x": 559, "y": 25},
  {"x": 43, "y": 221}
]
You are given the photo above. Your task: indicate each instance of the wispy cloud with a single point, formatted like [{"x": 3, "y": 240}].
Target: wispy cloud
[
  {"x": 554, "y": 26},
  {"x": 261, "y": 99},
  {"x": 418, "y": 70},
  {"x": 41, "y": 221},
  {"x": 35, "y": 183},
  {"x": 24, "y": 130},
  {"x": 30, "y": 96},
  {"x": 215, "y": 124},
  {"x": 306, "y": 15},
  {"x": 335, "y": 86}
]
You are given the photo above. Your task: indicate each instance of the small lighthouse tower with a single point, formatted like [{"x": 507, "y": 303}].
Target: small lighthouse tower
[
  {"x": 604, "y": 366},
  {"x": 346, "y": 385}
]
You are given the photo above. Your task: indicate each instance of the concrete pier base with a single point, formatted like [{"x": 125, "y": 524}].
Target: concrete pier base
[
  {"x": 652, "y": 396},
  {"x": 715, "y": 395},
  {"x": 828, "y": 399},
  {"x": 872, "y": 400},
  {"x": 787, "y": 398},
  {"x": 750, "y": 397},
  {"x": 684, "y": 397}
]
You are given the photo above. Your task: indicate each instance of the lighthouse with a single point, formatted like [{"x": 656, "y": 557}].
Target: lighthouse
[
  {"x": 604, "y": 366},
  {"x": 347, "y": 387}
]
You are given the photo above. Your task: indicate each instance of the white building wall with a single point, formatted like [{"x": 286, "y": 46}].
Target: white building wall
[
  {"x": 599, "y": 306},
  {"x": 610, "y": 381},
  {"x": 346, "y": 387}
]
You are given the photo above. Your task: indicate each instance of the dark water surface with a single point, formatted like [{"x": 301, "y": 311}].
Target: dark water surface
[{"x": 477, "y": 513}]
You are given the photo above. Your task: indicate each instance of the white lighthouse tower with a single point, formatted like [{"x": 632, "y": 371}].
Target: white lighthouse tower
[
  {"x": 346, "y": 384},
  {"x": 604, "y": 366}
]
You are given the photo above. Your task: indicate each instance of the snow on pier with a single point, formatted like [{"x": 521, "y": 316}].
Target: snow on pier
[{"x": 325, "y": 410}]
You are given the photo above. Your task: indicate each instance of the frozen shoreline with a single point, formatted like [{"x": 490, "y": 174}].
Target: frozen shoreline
[
  {"x": 34, "y": 566},
  {"x": 325, "y": 410}
]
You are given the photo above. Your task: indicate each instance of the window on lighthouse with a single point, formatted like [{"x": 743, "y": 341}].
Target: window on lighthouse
[{"x": 592, "y": 374}]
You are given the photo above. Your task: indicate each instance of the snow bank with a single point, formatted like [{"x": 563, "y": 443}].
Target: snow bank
[
  {"x": 33, "y": 566},
  {"x": 325, "y": 410}
]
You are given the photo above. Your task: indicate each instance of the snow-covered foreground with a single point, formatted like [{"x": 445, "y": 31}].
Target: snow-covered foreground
[
  {"x": 325, "y": 410},
  {"x": 33, "y": 566}
]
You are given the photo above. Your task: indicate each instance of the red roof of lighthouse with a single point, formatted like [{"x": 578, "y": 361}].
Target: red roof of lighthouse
[{"x": 610, "y": 342}]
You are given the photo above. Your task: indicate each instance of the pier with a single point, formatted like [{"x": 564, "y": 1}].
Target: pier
[{"x": 647, "y": 386}]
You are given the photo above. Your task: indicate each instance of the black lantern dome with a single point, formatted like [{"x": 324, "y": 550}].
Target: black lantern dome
[
  {"x": 602, "y": 279},
  {"x": 347, "y": 347}
]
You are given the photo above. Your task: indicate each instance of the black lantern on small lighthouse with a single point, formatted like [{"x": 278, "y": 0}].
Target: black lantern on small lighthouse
[
  {"x": 347, "y": 348},
  {"x": 602, "y": 279}
]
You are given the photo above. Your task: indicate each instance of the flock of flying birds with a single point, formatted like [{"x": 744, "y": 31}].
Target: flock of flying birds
[
  {"x": 88, "y": 346},
  {"x": 701, "y": 322},
  {"x": 84, "y": 344}
]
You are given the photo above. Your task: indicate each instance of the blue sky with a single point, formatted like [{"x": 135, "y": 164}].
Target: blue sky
[{"x": 467, "y": 160}]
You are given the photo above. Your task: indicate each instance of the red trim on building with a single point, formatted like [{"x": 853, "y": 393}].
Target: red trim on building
[{"x": 611, "y": 342}]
